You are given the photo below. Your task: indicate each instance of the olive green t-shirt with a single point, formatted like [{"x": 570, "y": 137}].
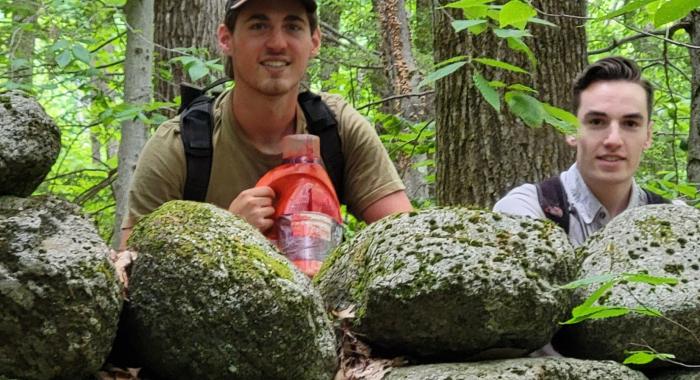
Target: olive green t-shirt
[{"x": 237, "y": 165}]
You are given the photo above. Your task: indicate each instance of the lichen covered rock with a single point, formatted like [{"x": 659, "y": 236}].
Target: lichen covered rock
[
  {"x": 29, "y": 144},
  {"x": 519, "y": 369},
  {"x": 677, "y": 374},
  {"x": 59, "y": 298},
  {"x": 211, "y": 298},
  {"x": 661, "y": 240},
  {"x": 452, "y": 283}
]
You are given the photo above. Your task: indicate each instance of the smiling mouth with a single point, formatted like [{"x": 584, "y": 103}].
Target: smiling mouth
[{"x": 275, "y": 64}]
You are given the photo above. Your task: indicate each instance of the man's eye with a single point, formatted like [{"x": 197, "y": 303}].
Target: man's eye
[
  {"x": 258, "y": 26},
  {"x": 295, "y": 27},
  {"x": 596, "y": 122},
  {"x": 630, "y": 124}
]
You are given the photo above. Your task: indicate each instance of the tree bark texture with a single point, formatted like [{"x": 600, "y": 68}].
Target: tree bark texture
[
  {"x": 22, "y": 41},
  {"x": 694, "y": 132},
  {"x": 481, "y": 154},
  {"x": 402, "y": 71},
  {"x": 184, "y": 24},
  {"x": 138, "y": 90}
]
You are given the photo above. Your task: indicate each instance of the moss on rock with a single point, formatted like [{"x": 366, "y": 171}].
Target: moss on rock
[
  {"x": 661, "y": 240},
  {"x": 212, "y": 298},
  {"x": 59, "y": 297},
  {"x": 453, "y": 282},
  {"x": 519, "y": 369}
]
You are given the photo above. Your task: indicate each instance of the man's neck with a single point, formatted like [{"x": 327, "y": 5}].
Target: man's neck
[
  {"x": 614, "y": 198},
  {"x": 263, "y": 119}
]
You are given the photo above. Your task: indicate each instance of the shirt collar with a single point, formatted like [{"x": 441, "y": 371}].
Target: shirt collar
[{"x": 583, "y": 200}]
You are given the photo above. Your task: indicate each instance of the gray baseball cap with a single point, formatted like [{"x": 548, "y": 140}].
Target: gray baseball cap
[{"x": 310, "y": 5}]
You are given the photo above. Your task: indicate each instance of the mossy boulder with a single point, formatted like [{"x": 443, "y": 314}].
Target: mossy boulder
[
  {"x": 59, "y": 297},
  {"x": 661, "y": 240},
  {"x": 211, "y": 298},
  {"x": 453, "y": 283},
  {"x": 677, "y": 374},
  {"x": 29, "y": 144},
  {"x": 519, "y": 369}
]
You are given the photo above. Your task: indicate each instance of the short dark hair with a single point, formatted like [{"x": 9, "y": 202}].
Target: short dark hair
[
  {"x": 230, "y": 21},
  {"x": 611, "y": 69}
]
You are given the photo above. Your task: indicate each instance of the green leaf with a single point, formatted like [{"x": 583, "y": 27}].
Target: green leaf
[
  {"x": 674, "y": 10},
  {"x": 540, "y": 21},
  {"x": 648, "y": 279},
  {"x": 64, "y": 59},
  {"x": 599, "y": 293},
  {"x": 478, "y": 29},
  {"x": 516, "y": 13},
  {"x": 460, "y": 25},
  {"x": 640, "y": 357},
  {"x": 569, "y": 122},
  {"x": 517, "y": 44},
  {"x": 505, "y": 33},
  {"x": 631, "y": 6},
  {"x": 688, "y": 190},
  {"x": 446, "y": 62},
  {"x": 522, "y": 87},
  {"x": 648, "y": 312},
  {"x": 479, "y": 11},
  {"x": 487, "y": 91},
  {"x": 441, "y": 73},
  {"x": 497, "y": 84},
  {"x": 526, "y": 107},
  {"x": 466, "y": 3},
  {"x": 81, "y": 53},
  {"x": 197, "y": 70},
  {"x": 500, "y": 65}
]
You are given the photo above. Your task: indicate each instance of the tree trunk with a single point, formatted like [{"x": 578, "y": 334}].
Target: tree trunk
[
  {"x": 329, "y": 13},
  {"x": 22, "y": 42},
  {"x": 403, "y": 73},
  {"x": 138, "y": 89},
  {"x": 481, "y": 154},
  {"x": 694, "y": 133},
  {"x": 184, "y": 24}
]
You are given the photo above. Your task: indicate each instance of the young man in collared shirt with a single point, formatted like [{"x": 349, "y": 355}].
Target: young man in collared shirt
[{"x": 613, "y": 105}]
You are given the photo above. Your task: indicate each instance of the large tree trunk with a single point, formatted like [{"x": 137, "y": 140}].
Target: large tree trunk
[
  {"x": 481, "y": 154},
  {"x": 138, "y": 89},
  {"x": 694, "y": 133},
  {"x": 184, "y": 24},
  {"x": 22, "y": 42},
  {"x": 403, "y": 73}
]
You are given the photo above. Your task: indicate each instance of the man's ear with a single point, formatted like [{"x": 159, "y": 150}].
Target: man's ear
[
  {"x": 649, "y": 140},
  {"x": 316, "y": 42},
  {"x": 571, "y": 140},
  {"x": 224, "y": 37}
]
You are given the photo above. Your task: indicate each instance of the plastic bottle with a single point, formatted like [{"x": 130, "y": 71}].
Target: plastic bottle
[{"x": 307, "y": 212}]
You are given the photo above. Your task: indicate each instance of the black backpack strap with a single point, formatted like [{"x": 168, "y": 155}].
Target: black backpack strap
[
  {"x": 196, "y": 127},
  {"x": 553, "y": 201},
  {"x": 322, "y": 123},
  {"x": 655, "y": 199}
]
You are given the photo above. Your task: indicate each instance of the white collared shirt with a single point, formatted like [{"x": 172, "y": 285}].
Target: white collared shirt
[{"x": 586, "y": 214}]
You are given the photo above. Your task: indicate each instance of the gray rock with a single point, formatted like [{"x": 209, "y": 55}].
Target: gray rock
[
  {"x": 519, "y": 369},
  {"x": 661, "y": 240},
  {"x": 677, "y": 374},
  {"x": 29, "y": 144},
  {"x": 211, "y": 298},
  {"x": 452, "y": 283},
  {"x": 59, "y": 297}
]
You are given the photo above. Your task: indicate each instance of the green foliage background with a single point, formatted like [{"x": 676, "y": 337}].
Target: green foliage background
[{"x": 78, "y": 78}]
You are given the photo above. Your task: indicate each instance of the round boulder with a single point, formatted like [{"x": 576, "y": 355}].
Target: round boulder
[
  {"x": 29, "y": 144},
  {"x": 452, "y": 283},
  {"x": 211, "y": 298},
  {"x": 519, "y": 369},
  {"x": 59, "y": 297},
  {"x": 659, "y": 240}
]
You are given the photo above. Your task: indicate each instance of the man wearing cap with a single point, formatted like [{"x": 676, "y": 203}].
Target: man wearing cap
[{"x": 267, "y": 45}]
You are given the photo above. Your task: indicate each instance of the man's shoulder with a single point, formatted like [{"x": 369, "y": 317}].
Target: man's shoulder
[{"x": 521, "y": 200}]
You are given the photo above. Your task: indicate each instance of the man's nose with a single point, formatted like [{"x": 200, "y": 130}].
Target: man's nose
[
  {"x": 613, "y": 138},
  {"x": 276, "y": 40}
]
